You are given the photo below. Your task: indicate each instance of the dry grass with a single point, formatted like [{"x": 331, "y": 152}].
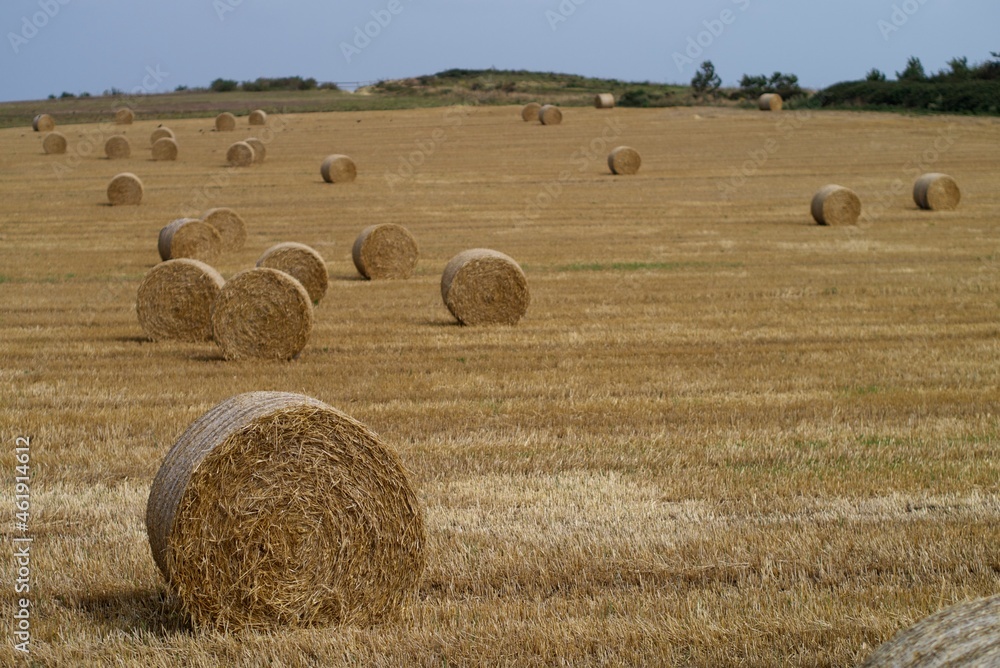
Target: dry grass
[{"x": 721, "y": 435}]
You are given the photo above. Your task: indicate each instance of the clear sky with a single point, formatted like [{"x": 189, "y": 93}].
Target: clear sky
[{"x": 51, "y": 46}]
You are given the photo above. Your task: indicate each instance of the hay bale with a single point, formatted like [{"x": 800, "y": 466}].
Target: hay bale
[
  {"x": 530, "y": 112},
  {"x": 276, "y": 510},
  {"x": 124, "y": 116},
  {"x": 54, "y": 143},
  {"x": 301, "y": 262},
  {"x": 175, "y": 300},
  {"x": 770, "y": 102},
  {"x": 258, "y": 117},
  {"x": 43, "y": 123},
  {"x": 485, "y": 287},
  {"x": 385, "y": 251},
  {"x": 604, "y": 101},
  {"x": 262, "y": 313},
  {"x": 117, "y": 147},
  {"x": 338, "y": 168},
  {"x": 550, "y": 115},
  {"x": 936, "y": 192},
  {"x": 189, "y": 237},
  {"x": 231, "y": 226},
  {"x": 240, "y": 154},
  {"x": 225, "y": 122},
  {"x": 165, "y": 148},
  {"x": 967, "y": 634},
  {"x": 125, "y": 189},
  {"x": 259, "y": 150},
  {"x": 836, "y": 205},
  {"x": 159, "y": 133},
  {"x": 624, "y": 160}
]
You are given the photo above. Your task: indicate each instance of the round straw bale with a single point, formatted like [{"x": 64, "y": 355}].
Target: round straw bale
[
  {"x": 530, "y": 111},
  {"x": 302, "y": 263},
  {"x": 175, "y": 300},
  {"x": 258, "y": 117},
  {"x": 770, "y": 102},
  {"x": 550, "y": 115},
  {"x": 259, "y": 150},
  {"x": 604, "y": 101},
  {"x": 159, "y": 133},
  {"x": 485, "y": 287},
  {"x": 231, "y": 226},
  {"x": 275, "y": 510},
  {"x": 189, "y": 237},
  {"x": 54, "y": 143},
  {"x": 836, "y": 205},
  {"x": 624, "y": 160},
  {"x": 967, "y": 634},
  {"x": 225, "y": 122},
  {"x": 125, "y": 188},
  {"x": 262, "y": 313},
  {"x": 117, "y": 147},
  {"x": 165, "y": 148},
  {"x": 936, "y": 192},
  {"x": 240, "y": 154},
  {"x": 43, "y": 123},
  {"x": 124, "y": 116},
  {"x": 338, "y": 168},
  {"x": 385, "y": 251}
]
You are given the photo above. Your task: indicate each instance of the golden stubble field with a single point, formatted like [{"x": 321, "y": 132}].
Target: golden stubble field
[{"x": 722, "y": 435}]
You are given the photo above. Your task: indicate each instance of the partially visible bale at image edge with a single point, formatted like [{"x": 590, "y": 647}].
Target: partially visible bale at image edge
[
  {"x": 190, "y": 238},
  {"x": 175, "y": 300},
  {"x": 485, "y": 287},
  {"x": 936, "y": 192},
  {"x": 231, "y": 226},
  {"x": 530, "y": 111},
  {"x": 117, "y": 147},
  {"x": 125, "y": 189},
  {"x": 624, "y": 160},
  {"x": 836, "y": 205},
  {"x": 312, "y": 517},
  {"x": 54, "y": 143},
  {"x": 165, "y": 148},
  {"x": 301, "y": 262},
  {"x": 385, "y": 251},
  {"x": 225, "y": 122},
  {"x": 338, "y": 168}
]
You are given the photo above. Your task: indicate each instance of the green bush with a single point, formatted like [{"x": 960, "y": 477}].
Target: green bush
[{"x": 973, "y": 96}]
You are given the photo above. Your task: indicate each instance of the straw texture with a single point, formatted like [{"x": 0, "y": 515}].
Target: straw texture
[
  {"x": 624, "y": 160},
  {"x": 836, "y": 205},
  {"x": 125, "y": 189},
  {"x": 770, "y": 102},
  {"x": 301, "y": 262},
  {"x": 189, "y": 237},
  {"x": 225, "y": 122},
  {"x": 485, "y": 287},
  {"x": 117, "y": 147},
  {"x": 385, "y": 251},
  {"x": 258, "y": 117},
  {"x": 43, "y": 123},
  {"x": 604, "y": 101},
  {"x": 160, "y": 133},
  {"x": 550, "y": 115},
  {"x": 240, "y": 154},
  {"x": 124, "y": 116},
  {"x": 175, "y": 300},
  {"x": 165, "y": 148},
  {"x": 259, "y": 150},
  {"x": 231, "y": 226},
  {"x": 530, "y": 112},
  {"x": 937, "y": 192},
  {"x": 54, "y": 143},
  {"x": 338, "y": 168}
]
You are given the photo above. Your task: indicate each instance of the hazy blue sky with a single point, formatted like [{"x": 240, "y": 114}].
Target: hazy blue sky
[{"x": 50, "y": 46}]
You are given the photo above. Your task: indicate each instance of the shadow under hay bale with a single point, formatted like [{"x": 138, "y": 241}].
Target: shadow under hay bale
[
  {"x": 175, "y": 300},
  {"x": 485, "y": 287}
]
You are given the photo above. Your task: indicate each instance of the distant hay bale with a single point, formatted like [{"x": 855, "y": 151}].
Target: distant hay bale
[
  {"x": 124, "y": 116},
  {"x": 485, "y": 287},
  {"x": 231, "y": 226},
  {"x": 165, "y": 148},
  {"x": 191, "y": 238},
  {"x": 967, "y": 634},
  {"x": 262, "y": 313},
  {"x": 302, "y": 263},
  {"x": 936, "y": 192},
  {"x": 125, "y": 189},
  {"x": 159, "y": 133},
  {"x": 258, "y": 117},
  {"x": 338, "y": 168},
  {"x": 240, "y": 154},
  {"x": 385, "y": 251},
  {"x": 624, "y": 160},
  {"x": 259, "y": 149},
  {"x": 175, "y": 300},
  {"x": 117, "y": 147},
  {"x": 770, "y": 102},
  {"x": 550, "y": 115},
  {"x": 836, "y": 205},
  {"x": 530, "y": 112},
  {"x": 604, "y": 101},
  {"x": 225, "y": 122},
  {"x": 275, "y": 510},
  {"x": 43, "y": 123},
  {"x": 54, "y": 143}
]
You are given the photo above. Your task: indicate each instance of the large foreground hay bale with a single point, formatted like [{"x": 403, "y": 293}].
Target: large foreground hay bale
[
  {"x": 43, "y": 123},
  {"x": 550, "y": 115},
  {"x": 175, "y": 300},
  {"x": 124, "y": 116},
  {"x": 189, "y": 237},
  {"x": 165, "y": 148},
  {"x": 125, "y": 188},
  {"x": 262, "y": 313},
  {"x": 225, "y": 122},
  {"x": 770, "y": 102},
  {"x": 624, "y": 160},
  {"x": 258, "y": 117},
  {"x": 276, "y": 510},
  {"x": 159, "y": 133},
  {"x": 385, "y": 251},
  {"x": 967, "y": 634},
  {"x": 259, "y": 149},
  {"x": 117, "y": 147},
  {"x": 231, "y": 226},
  {"x": 54, "y": 143},
  {"x": 836, "y": 205},
  {"x": 240, "y": 154},
  {"x": 604, "y": 101},
  {"x": 937, "y": 192},
  {"x": 530, "y": 112},
  {"x": 485, "y": 287},
  {"x": 338, "y": 168},
  {"x": 301, "y": 262}
]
